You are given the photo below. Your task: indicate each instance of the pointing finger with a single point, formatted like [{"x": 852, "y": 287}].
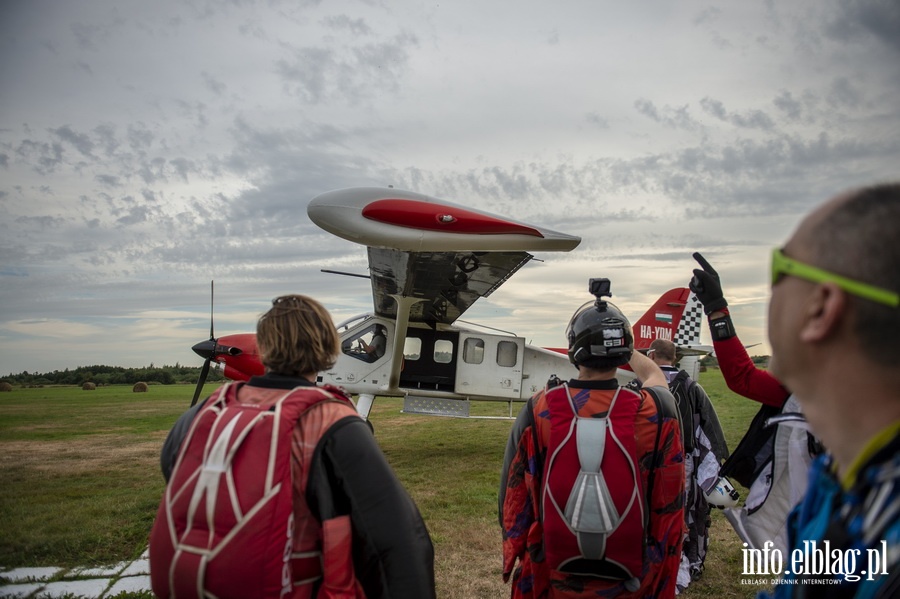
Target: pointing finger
[{"x": 706, "y": 266}]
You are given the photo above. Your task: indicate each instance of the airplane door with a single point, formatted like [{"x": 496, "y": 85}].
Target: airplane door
[{"x": 489, "y": 365}]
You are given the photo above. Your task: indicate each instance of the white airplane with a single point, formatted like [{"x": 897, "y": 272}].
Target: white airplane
[{"x": 429, "y": 261}]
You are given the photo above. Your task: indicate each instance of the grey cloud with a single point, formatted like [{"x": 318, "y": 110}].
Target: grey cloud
[
  {"x": 213, "y": 84},
  {"x": 106, "y": 135},
  {"x": 318, "y": 75},
  {"x": 780, "y": 175},
  {"x": 676, "y": 118},
  {"x": 305, "y": 74},
  {"x": 153, "y": 171},
  {"x": 108, "y": 180},
  {"x": 595, "y": 119},
  {"x": 135, "y": 215},
  {"x": 787, "y": 104},
  {"x": 709, "y": 14},
  {"x": 139, "y": 136},
  {"x": 858, "y": 19},
  {"x": 183, "y": 167},
  {"x": 752, "y": 119},
  {"x": 84, "y": 35},
  {"x": 648, "y": 109},
  {"x": 45, "y": 157},
  {"x": 843, "y": 94},
  {"x": 40, "y": 222},
  {"x": 195, "y": 111},
  {"x": 4, "y": 160},
  {"x": 385, "y": 61},
  {"x": 355, "y": 26},
  {"x": 714, "y": 107}
]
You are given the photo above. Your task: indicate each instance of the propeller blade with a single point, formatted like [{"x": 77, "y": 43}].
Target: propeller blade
[
  {"x": 204, "y": 372},
  {"x": 212, "y": 295},
  {"x": 206, "y": 349}
]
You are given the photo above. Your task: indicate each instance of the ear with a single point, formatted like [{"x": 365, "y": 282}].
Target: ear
[{"x": 826, "y": 309}]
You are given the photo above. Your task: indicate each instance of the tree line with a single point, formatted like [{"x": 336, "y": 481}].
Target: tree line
[{"x": 113, "y": 375}]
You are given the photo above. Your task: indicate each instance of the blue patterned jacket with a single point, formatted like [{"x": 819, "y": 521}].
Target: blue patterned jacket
[{"x": 858, "y": 530}]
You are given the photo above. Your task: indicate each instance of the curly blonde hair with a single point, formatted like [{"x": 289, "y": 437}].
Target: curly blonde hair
[{"x": 297, "y": 337}]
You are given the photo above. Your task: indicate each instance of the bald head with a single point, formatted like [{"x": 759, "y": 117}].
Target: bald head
[
  {"x": 857, "y": 235},
  {"x": 662, "y": 351}
]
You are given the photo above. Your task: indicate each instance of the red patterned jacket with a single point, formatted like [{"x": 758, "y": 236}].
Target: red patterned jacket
[{"x": 520, "y": 493}]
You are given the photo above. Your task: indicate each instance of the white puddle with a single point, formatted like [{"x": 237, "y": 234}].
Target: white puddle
[{"x": 87, "y": 583}]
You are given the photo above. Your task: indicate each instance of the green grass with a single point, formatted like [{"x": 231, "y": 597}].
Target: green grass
[
  {"x": 80, "y": 471},
  {"x": 81, "y": 481}
]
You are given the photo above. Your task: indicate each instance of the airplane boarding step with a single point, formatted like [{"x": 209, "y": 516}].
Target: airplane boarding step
[{"x": 438, "y": 406}]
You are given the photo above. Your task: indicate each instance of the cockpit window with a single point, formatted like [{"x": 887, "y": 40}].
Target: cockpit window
[{"x": 369, "y": 345}]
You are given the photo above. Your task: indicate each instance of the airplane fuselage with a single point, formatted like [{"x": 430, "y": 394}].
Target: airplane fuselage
[{"x": 443, "y": 361}]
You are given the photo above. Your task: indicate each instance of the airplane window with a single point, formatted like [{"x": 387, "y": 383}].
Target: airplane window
[
  {"x": 473, "y": 351},
  {"x": 369, "y": 345},
  {"x": 443, "y": 351},
  {"x": 506, "y": 353},
  {"x": 412, "y": 348}
]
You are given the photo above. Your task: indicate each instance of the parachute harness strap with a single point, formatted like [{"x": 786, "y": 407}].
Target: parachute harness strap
[{"x": 590, "y": 511}]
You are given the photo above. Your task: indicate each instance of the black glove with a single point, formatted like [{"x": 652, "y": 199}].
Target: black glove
[{"x": 705, "y": 283}]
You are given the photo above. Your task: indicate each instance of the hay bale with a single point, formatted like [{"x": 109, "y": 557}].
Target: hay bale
[
  {"x": 140, "y": 387},
  {"x": 88, "y": 386},
  {"x": 4, "y": 386}
]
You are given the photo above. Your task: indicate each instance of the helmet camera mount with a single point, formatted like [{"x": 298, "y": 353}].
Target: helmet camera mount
[{"x": 600, "y": 288}]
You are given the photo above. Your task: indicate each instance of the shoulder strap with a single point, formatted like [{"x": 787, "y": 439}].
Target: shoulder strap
[
  {"x": 664, "y": 409},
  {"x": 681, "y": 387},
  {"x": 553, "y": 383}
]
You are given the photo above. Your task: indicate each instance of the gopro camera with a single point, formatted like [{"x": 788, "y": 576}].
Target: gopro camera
[{"x": 600, "y": 288}]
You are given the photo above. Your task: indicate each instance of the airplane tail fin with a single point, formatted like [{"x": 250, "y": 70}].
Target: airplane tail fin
[{"x": 675, "y": 316}]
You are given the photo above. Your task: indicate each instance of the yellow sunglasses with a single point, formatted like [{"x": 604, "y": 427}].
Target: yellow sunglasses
[{"x": 782, "y": 265}]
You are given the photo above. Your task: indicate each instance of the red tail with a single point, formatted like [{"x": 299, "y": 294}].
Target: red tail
[{"x": 675, "y": 316}]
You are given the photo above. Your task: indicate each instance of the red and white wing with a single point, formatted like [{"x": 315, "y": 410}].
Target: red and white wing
[{"x": 421, "y": 247}]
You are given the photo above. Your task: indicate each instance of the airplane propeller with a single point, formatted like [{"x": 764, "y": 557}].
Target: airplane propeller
[
  {"x": 206, "y": 349},
  {"x": 210, "y": 348}
]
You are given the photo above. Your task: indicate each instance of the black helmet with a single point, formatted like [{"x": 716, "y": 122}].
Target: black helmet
[{"x": 599, "y": 336}]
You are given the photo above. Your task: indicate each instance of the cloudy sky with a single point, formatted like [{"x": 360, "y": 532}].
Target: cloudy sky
[{"x": 147, "y": 148}]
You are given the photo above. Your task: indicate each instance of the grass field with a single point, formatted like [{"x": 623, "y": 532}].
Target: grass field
[{"x": 81, "y": 481}]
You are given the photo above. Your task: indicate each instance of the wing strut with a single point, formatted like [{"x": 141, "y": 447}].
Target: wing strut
[{"x": 404, "y": 305}]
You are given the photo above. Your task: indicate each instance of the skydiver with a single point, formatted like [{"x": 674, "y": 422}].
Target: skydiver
[
  {"x": 551, "y": 552},
  {"x": 341, "y": 477},
  {"x": 704, "y": 450},
  {"x": 834, "y": 321},
  {"x": 771, "y": 461}
]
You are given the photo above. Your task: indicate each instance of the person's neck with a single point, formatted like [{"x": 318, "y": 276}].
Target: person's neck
[
  {"x": 848, "y": 410},
  {"x": 312, "y": 377},
  {"x": 589, "y": 374}
]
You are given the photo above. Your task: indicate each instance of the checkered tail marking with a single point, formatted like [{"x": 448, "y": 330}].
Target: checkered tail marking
[{"x": 688, "y": 332}]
